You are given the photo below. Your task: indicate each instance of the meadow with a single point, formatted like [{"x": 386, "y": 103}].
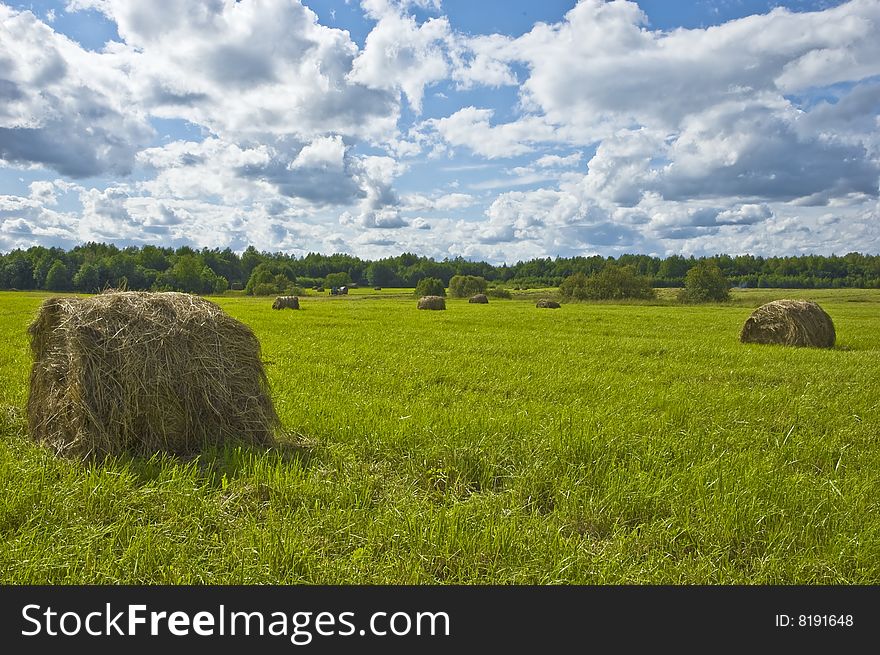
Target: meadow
[{"x": 601, "y": 443}]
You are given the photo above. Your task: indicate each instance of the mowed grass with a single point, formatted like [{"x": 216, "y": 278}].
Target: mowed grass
[{"x": 596, "y": 444}]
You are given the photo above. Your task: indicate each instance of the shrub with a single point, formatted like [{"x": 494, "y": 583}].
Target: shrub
[
  {"x": 464, "y": 286},
  {"x": 574, "y": 287},
  {"x": 705, "y": 283},
  {"x": 611, "y": 283},
  {"x": 271, "y": 279},
  {"x": 309, "y": 282},
  {"x": 341, "y": 279},
  {"x": 430, "y": 286},
  {"x": 498, "y": 293}
]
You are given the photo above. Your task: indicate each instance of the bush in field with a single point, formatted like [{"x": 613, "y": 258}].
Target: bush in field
[
  {"x": 271, "y": 279},
  {"x": 430, "y": 286},
  {"x": 341, "y": 279},
  {"x": 465, "y": 286},
  {"x": 271, "y": 288},
  {"x": 574, "y": 287},
  {"x": 705, "y": 283},
  {"x": 611, "y": 283},
  {"x": 498, "y": 293}
]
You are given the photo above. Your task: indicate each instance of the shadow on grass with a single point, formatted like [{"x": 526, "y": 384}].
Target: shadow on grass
[{"x": 216, "y": 466}]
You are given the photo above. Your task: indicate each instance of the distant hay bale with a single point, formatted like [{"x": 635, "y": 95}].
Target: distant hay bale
[
  {"x": 790, "y": 323},
  {"x": 432, "y": 302},
  {"x": 544, "y": 303},
  {"x": 479, "y": 299},
  {"x": 141, "y": 373},
  {"x": 286, "y": 302}
]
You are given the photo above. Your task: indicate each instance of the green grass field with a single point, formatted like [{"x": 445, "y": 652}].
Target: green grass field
[{"x": 595, "y": 444}]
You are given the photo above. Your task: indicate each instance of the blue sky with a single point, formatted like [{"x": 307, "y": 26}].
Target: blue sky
[{"x": 493, "y": 130}]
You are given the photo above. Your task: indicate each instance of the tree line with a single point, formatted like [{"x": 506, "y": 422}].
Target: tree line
[{"x": 94, "y": 266}]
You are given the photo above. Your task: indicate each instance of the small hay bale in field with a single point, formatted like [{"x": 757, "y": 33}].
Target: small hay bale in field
[
  {"x": 790, "y": 323},
  {"x": 479, "y": 299},
  {"x": 432, "y": 302},
  {"x": 141, "y": 373},
  {"x": 544, "y": 303},
  {"x": 286, "y": 302}
]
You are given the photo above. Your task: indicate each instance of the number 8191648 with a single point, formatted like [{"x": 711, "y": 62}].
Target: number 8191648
[{"x": 814, "y": 620}]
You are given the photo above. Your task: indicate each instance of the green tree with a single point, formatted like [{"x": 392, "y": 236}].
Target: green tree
[
  {"x": 18, "y": 272},
  {"x": 380, "y": 274},
  {"x": 430, "y": 286},
  {"x": 705, "y": 283},
  {"x": 675, "y": 267},
  {"x": 271, "y": 278},
  {"x": 464, "y": 286},
  {"x": 574, "y": 287},
  {"x": 250, "y": 259},
  {"x": 340, "y": 279},
  {"x": 87, "y": 279},
  {"x": 186, "y": 274},
  {"x": 611, "y": 283},
  {"x": 58, "y": 277},
  {"x": 213, "y": 283}
]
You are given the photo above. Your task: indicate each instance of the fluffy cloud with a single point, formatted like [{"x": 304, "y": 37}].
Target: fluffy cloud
[
  {"x": 250, "y": 69},
  {"x": 26, "y": 220},
  {"x": 401, "y": 54},
  {"x": 445, "y": 202},
  {"x": 758, "y": 134},
  {"x": 470, "y": 127},
  {"x": 600, "y": 66},
  {"x": 482, "y": 61},
  {"x": 61, "y": 106}
]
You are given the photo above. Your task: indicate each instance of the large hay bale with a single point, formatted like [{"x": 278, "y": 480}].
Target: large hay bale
[
  {"x": 544, "y": 303},
  {"x": 479, "y": 299},
  {"x": 432, "y": 302},
  {"x": 790, "y": 323},
  {"x": 145, "y": 372},
  {"x": 286, "y": 302}
]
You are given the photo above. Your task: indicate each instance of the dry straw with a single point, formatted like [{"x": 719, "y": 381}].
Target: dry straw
[
  {"x": 432, "y": 302},
  {"x": 145, "y": 372},
  {"x": 286, "y": 302},
  {"x": 479, "y": 299},
  {"x": 544, "y": 303},
  {"x": 790, "y": 323}
]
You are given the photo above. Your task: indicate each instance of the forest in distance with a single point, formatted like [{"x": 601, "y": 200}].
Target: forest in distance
[{"x": 94, "y": 266}]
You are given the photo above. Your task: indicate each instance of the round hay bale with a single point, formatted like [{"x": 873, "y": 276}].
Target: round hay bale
[
  {"x": 286, "y": 302},
  {"x": 142, "y": 373},
  {"x": 544, "y": 303},
  {"x": 432, "y": 302},
  {"x": 790, "y": 323},
  {"x": 479, "y": 299}
]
